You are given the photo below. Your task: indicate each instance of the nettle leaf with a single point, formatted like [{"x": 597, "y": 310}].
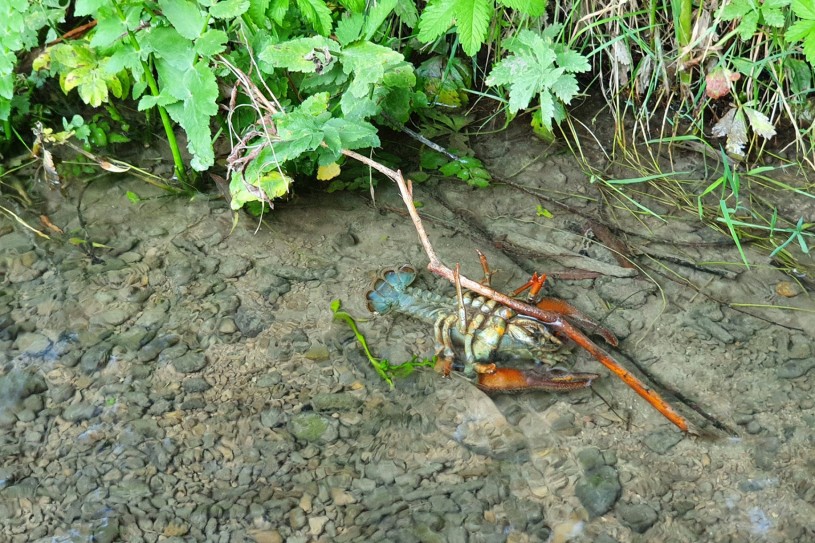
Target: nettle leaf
[
  {"x": 211, "y": 43},
  {"x": 185, "y": 16},
  {"x": 298, "y": 55},
  {"x": 803, "y": 29},
  {"x": 533, "y": 8},
  {"x": 473, "y": 20},
  {"x": 316, "y": 13},
  {"x": 229, "y": 9},
  {"x": 436, "y": 19}
]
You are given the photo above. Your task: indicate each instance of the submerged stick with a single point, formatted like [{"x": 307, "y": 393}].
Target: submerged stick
[{"x": 550, "y": 318}]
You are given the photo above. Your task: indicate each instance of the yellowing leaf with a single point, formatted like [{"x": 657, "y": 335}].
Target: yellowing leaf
[
  {"x": 759, "y": 122},
  {"x": 328, "y": 172}
]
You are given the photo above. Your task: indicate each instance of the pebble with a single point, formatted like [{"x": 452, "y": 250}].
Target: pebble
[
  {"x": 190, "y": 362},
  {"x": 308, "y": 426},
  {"x": 662, "y": 441},
  {"x": 794, "y": 369},
  {"x": 79, "y": 412},
  {"x": 638, "y": 517},
  {"x": 598, "y": 490},
  {"x": 32, "y": 343}
]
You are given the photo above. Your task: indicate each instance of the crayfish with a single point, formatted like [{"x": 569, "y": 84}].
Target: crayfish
[{"x": 487, "y": 331}]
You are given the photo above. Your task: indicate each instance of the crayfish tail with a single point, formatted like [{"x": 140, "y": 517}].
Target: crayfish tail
[{"x": 388, "y": 286}]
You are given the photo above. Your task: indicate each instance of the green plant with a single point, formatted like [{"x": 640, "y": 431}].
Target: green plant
[
  {"x": 20, "y": 26},
  {"x": 382, "y": 366},
  {"x": 472, "y": 19},
  {"x": 541, "y": 67}
]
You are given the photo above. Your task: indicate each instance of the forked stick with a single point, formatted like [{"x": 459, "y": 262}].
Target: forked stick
[{"x": 550, "y": 318}]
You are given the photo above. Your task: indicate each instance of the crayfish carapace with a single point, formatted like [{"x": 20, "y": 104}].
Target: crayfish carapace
[{"x": 486, "y": 331}]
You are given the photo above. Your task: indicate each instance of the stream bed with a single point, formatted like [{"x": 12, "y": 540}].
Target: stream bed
[{"x": 187, "y": 382}]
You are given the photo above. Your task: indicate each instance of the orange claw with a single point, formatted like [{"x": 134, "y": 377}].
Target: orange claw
[
  {"x": 515, "y": 380},
  {"x": 575, "y": 315}
]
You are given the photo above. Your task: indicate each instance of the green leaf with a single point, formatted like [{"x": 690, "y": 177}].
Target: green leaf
[
  {"x": 88, "y": 7},
  {"x": 805, "y": 9},
  {"x": 533, "y": 8},
  {"x": 316, "y": 13},
  {"x": 133, "y": 197},
  {"x": 229, "y": 9},
  {"x": 572, "y": 61},
  {"x": 211, "y": 43},
  {"x": 473, "y": 19},
  {"x": 108, "y": 30},
  {"x": 169, "y": 45},
  {"x": 803, "y": 30},
  {"x": 436, "y": 19},
  {"x": 257, "y": 12},
  {"x": 277, "y": 10},
  {"x": 407, "y": 12},
  {"x": 193, "y": 113},
  {"x": 349, "y": 28},
  {"x": 356, "y": 6},
  {"x": 259, "y": 188},
  {"x": 297, "y": 55},
  {"x": 185, "y": 16},
  {"x": 377, "y": 15}
]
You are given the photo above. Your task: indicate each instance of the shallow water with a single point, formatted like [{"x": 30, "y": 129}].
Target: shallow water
[{"x": 191, "y": 385}]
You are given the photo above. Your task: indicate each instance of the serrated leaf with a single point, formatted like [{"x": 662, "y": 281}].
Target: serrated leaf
[
  {"x": 108, "y": 30},
  {"x": 258, "y": 188},
  {"x": 211, "y": 43},
  {"x": 748, "y": 25},
  {"x": 93, "y": 89},
  {"x": 377, "y": 15},
  {"x": 473, "y": 20},
  {"x": 565, "y": 88},
  {"x": 407, "y": 12},
  {"x": 316, "y": 13},
  {"x": 533, "y": 8},
  {"x": 759, "y": 122},
  {"x": 277, "y": 10},
  {"x": 547, "y": 109},
  {"x": 572, "y": 61},
  {"x": 194, "y": 112},
  {"x": 349, "y": 28},
  {"x": 297, "y": 55},
  {"x": 356, "y": 6},
  {"x": 169, "y": 45},
  {"x": 803, "y": 30},
  {"x": 257, "y": 12},
  {"x": 185, "y": 16},
  {"x": 229, "y": 9},
  {"x": 773, "y": 17},
  {"x": 436, "y": 19},
  {"x": 735, "y": 9},
  {"x": 805, "y": 9},
  {"x": 328, "y": 172}
]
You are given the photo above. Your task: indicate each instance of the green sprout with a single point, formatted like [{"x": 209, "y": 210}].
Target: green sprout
[{"x": 383, "y": 367}]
